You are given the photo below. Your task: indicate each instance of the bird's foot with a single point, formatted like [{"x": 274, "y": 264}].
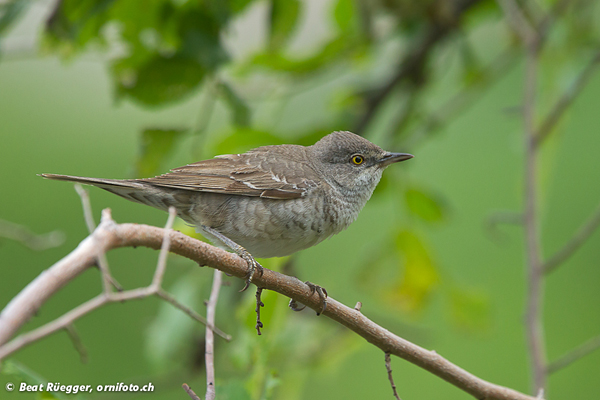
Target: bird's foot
[
  {"x": 322, "y": 295},
  {"x": 253, "y": 265},
  {"x": 295, "y": 306}
]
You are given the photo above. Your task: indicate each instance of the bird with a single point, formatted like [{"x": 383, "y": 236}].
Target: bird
[{"x": 271, "y": 201}]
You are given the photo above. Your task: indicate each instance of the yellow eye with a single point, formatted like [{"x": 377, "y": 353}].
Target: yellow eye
[{"x": 358, "y": 159}]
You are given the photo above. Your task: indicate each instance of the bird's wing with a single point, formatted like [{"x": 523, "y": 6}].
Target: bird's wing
[{"x": 263, "y": 172}]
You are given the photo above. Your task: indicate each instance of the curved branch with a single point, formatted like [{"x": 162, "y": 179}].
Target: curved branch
[{"x": 110, "y": 235}]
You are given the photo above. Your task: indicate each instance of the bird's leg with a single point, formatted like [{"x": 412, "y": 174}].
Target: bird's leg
[
  {"x": 322, "y": 295},
  {"x": 240, "y": 251}
]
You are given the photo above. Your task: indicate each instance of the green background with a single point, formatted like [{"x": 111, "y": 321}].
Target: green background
[{"x": 62, "y": 117}]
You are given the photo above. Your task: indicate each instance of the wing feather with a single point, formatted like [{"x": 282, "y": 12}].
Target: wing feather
[{"x": 270, "y": 172}]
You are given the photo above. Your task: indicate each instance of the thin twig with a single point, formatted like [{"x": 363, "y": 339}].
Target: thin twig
[
  {"x": 388, "y": 367},
  {"x": 518, "y": 21},
  {"x": 566, "y": 100},
  {"x": 582, "y": 235},
  {"x": 574, "y": 355},
  {"x": 77, "y": 343},
  {"x": 464, "y": 98},
  {"x": 87, "y": 207},
  {"x": 164, "y": 251},
  {"x": 91, "y": 225},
  {"x": 491, "y": 73},
  {"x": 209, "y": 356},
  {"x": 21, "y": 234},
  {"x": 534, "y": 314},
  {"x": 535, "y": 285},
  {"x": 190, "y": 392},
  {"x": 259, "y": 304},
  {"x": 413, "y": 63},
  {"x": 191, "y": 313}
]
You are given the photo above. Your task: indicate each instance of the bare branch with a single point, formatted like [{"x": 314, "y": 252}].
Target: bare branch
[
  {"x": 413, "y": 63},
  {"x": 209, "y": 356},
  {"x": 46, "y": 284},
  {"x": 566, "y": 100},
  {"x": 45, "y": 330},
  {"x": 388, "y": 367},
  {"x": 91, "y": 225},
  {"x": 574, "y": 355},
  {"x": 77, "y": 343},
  {"x": 87, "y": 207},
  {"x": 190, "y": 392},
  {"x": 21, "y": 234},
  {"x": 191, "y": 313},
  {"x": 110, "y": 235},
  {"x": 582, "y": 235},
  {"x": 518, "y": 22},
  {"x": 466, "y": 96},
  {"x": 164, "y": 251},
  {"x": 535, "y": 284},
  {"x": 534, "y": 324}
]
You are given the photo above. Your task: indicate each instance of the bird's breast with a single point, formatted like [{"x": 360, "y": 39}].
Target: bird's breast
[{"x": 268, "y": 227}]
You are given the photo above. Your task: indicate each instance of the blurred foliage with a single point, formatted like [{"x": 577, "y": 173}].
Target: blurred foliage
[
  {"x": 20, "y": 373},
  {"x": 399, "y": 71},
  {"x": 10, "y": 11},
  {"x": 155, "y": 145}
]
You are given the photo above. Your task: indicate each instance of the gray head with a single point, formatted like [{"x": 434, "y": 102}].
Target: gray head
[{"x": 352, "y": 163}]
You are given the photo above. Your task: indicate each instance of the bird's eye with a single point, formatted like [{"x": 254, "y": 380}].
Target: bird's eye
[{"x": 357, "y": 159}]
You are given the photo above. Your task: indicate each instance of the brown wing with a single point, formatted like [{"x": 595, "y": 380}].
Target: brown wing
[{"x": 273, "y": 172}]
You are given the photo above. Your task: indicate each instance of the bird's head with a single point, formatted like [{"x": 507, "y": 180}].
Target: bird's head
[{"x": 352, "y": 163}]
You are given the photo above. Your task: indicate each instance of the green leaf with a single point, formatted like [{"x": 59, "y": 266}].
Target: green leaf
[
  {"x": 419, "y": 275},
  {"x": 336, "y": 50},
  {"x": 155, "y": 145},
  {"x": 160, "y": 80},
  {"x": 472, "y": 70},
  {"x": 345, "y": 14},
  {"x": 11, "y": 11},
  {"x": 74, "y": 24},
  {"x": 284, "y": 18},
  {"x": 239, "y": 108},
  {"x": 169, "y": 47},
  {"x": 425, "y": 205}
]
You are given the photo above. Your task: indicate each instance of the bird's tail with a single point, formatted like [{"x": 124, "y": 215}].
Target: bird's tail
[{"x": 130, "y": 189}]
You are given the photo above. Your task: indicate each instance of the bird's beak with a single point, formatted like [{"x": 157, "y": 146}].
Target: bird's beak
[{"x": 391, "y": 158}]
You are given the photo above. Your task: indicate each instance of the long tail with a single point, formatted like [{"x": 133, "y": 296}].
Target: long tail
[
  {"x": 130, "y": 189},
  {"x": 103, "y": 183}
]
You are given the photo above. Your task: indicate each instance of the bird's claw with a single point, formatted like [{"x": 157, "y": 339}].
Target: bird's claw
[
  {"x": 322, "y": 295},
  {"x": 293, "y": 305},
  {"x": 253, "y": 266}
]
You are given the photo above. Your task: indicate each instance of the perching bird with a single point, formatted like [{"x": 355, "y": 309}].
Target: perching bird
[{"x": 271, "y": 201}]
